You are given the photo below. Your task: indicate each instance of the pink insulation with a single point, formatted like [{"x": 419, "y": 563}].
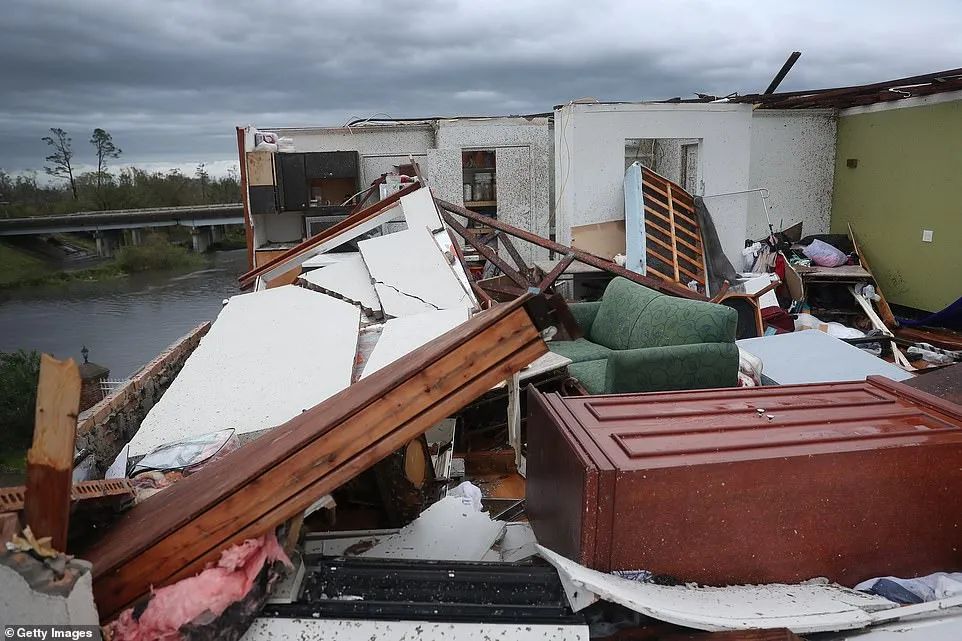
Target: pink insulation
[{"x": 213, "y": 590}]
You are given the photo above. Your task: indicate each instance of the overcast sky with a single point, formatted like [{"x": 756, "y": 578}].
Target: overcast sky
[{"x": 170, "y": 79}]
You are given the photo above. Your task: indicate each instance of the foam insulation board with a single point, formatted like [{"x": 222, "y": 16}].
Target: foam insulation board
[
  {"x": 400, "y": 336},
  {"x": 348, "y": 278},
  {"x": 411, "y": 274},
  {"x": 269, "y": 356},
  {"x": 449, "y": 530},
  {"x": 802, "y": 608}
]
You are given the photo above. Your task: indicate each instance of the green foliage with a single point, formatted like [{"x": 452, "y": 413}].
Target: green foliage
[
  {"x": 155, "y": 253},
  {"x": 132, "y": 188},
  {"x": 17, "y": 266},
  {"x": 19, "y": 374}
]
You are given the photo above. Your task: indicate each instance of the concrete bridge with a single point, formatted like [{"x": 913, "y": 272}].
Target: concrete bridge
[{"x": 206, "y": 223}]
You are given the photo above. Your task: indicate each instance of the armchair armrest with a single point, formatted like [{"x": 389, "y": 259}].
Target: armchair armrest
[
  {"x": 678, "y": 367},
  {"x": 585, "y": 314}
]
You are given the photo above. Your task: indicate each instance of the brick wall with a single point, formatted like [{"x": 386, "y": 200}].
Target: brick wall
[{"x": 107, "y": 426}]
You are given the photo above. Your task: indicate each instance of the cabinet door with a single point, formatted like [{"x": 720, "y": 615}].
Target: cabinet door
[
  {"x": 331, "y": 164},
  {"x": 514, "y": 195},
  {"x": 445, "y": 176},
  {"x": 292, "y": 182}
]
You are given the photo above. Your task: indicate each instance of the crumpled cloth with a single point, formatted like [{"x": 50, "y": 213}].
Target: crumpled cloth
[
  {"x": 213, "y": 590},
  {"x": 931, "y": 587}
]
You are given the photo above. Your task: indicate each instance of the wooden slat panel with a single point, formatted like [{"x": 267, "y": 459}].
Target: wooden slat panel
[
  {"x": 271, "y": 479},
  {"x": 667, "y": 203}
]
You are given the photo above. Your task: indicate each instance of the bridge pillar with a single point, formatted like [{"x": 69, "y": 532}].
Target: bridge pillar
[
  {"x": 106, "y": 243},
  {"x": 216, "y": 233},
  {"x": 200, "y": 237},
  {"x": 136, "y": 237}
]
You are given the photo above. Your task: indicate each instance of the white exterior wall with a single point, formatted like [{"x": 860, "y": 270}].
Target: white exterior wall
[
  {"x": 590, "y": 160},
  {"x": 793, "y": 156}
]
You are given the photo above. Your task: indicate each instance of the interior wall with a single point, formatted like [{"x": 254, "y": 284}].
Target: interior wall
[
  {"x": 909, "y": 163},
  {"x": 793, "y": 156},
  {"x": 590, "y": 156}
]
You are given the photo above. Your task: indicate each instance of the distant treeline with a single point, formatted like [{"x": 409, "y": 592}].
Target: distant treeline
[{"x": 22, "y": 195}]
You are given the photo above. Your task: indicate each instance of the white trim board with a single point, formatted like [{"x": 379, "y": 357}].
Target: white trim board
[{"x": 268, "y": 356}]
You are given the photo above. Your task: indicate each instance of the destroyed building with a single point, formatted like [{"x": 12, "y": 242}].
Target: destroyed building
[{"x": 524, "y": 378}]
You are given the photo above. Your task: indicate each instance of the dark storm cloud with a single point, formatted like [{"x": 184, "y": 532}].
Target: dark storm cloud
[{"x": 170, "y": 79}]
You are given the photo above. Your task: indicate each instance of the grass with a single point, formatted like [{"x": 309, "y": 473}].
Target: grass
[
  {"x": 155, "y": 254},
  {"x": 17, "y": 266},
  {"x": 19, "y": 269}
]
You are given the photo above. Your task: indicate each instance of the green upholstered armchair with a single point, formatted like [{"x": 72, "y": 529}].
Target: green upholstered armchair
[{"x": 638, "y": 340}]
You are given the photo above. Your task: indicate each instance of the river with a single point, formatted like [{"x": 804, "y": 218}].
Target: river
[{"x": 124, "y": 322}]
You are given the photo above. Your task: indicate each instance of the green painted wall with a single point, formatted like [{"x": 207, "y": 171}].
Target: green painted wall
[{"x": 908, "y": 178}]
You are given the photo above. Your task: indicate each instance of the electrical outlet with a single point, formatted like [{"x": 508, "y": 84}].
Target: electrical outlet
[{"x": 926, "y": 235}]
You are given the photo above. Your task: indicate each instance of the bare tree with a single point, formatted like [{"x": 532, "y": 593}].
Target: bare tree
[
  {"x": 104, "y": 145},
  {"x": 204, "y": 178},
  {"x": 60, "y": 160}
]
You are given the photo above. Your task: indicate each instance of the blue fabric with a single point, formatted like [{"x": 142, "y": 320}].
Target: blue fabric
[{"x": 950, "y": 318}]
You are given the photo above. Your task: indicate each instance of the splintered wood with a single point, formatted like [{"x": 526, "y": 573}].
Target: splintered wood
[
  {"x": 50, "y": 458},
  {"x": 673, "y": 237},
  {"x": 261, "y": 485}
]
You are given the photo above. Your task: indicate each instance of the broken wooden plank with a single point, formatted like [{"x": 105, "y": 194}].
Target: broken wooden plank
[
  {"x": 883, "y": 306},
  {"x": 485, "y": 251},
  {"x": 666, "y": 287},
  {"x": 50, "y": 457},
  {"x": 262, "y": 484}
]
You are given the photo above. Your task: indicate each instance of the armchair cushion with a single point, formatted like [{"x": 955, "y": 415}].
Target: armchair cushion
[
  {"x": 580, "y": 350},
  {"x": 677, "y": 321},
  {"x": 677, "y": 367}
]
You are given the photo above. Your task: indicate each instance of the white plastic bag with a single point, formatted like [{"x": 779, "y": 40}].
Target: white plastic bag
[{"x": 824, "y": 254}]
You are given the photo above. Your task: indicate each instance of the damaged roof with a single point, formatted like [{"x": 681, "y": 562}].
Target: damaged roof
[{"x": 858, "y": 95}]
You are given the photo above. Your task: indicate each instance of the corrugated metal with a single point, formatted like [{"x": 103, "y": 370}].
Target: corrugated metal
[{"x": 776, "y": 484}]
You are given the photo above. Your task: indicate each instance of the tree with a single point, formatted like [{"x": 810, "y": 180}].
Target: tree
[
  {"x": 204, "y": 178},
  {"x": 61, "y": 158},
  {"x": 104, "y": 145}
]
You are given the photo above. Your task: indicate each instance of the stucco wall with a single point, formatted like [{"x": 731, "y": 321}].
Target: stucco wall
[
  {"x": 793, "y": 156},
  {"x": 590, "y": 157},
  {"x": 907, "y": 179},
  {"x": 531, "y": 135}
]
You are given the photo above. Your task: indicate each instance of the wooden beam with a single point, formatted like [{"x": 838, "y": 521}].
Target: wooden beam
[
  {"x": 484, "y": 250},
  {"x": 556, "y": 271},
  {"x": 666, "y": 287},
  {"x": 515, "y": 255},
  {"x": 50, "y": 459},
  {"x": 883, "y": 306},
  {"x": 674, "y": 236},
  {"x": 245, "y": 200}
]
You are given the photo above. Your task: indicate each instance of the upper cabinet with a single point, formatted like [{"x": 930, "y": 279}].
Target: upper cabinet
[{"x": 316, "y": 179}]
